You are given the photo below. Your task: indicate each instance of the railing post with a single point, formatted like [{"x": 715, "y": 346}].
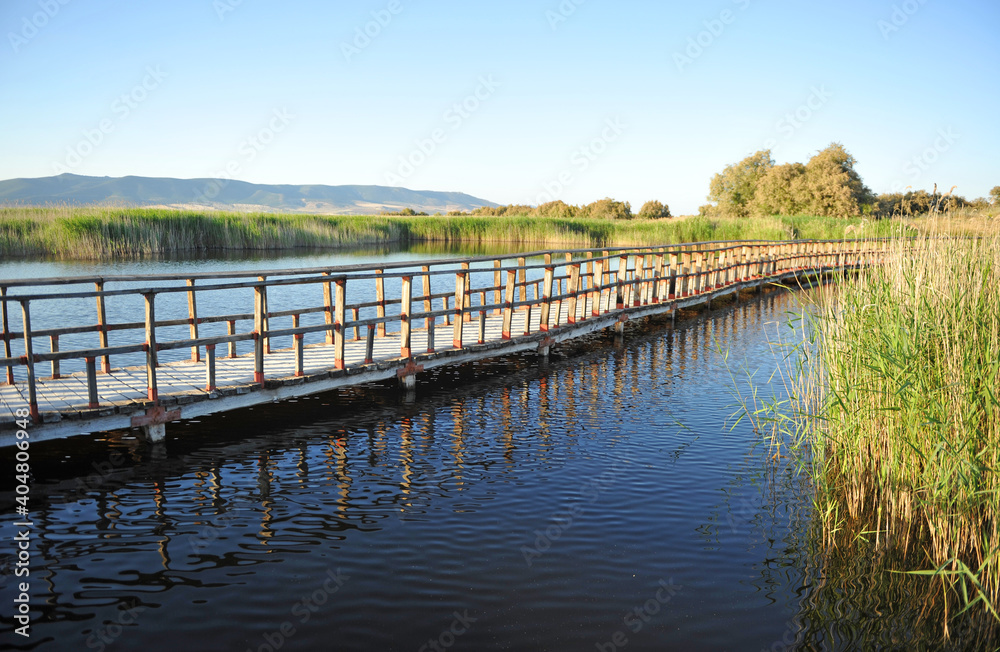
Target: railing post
[
  {"x": 370, "y": 345},
  {"x": 380, "y": 300},
  {"x": 297, "y": 345},
  {"x": 543, "y": 321},
  {"x": 209, "y": 367},
  {"x": 29, "y": 355},
  {"x": 638, "y": 280},
  {"x": 231, "y": 330},
  {"x": 102, "y": 327},
  {"x": 340, "y": 312},
  {"x": 456, "y": 339},
  {"x": 658, "y": 278},
  {"x": 508, "y": 304},
  {"x": 431, "y": 324},
  {"x": 54, "y": 341},
  {"x": 405, "y": 308},
  {"x": 427, "y": 299},
  {"x": 259, "y": 324},
  {"x": 355, "y": 316},
  {"x": 497, "y": 281},
  {"x": 328, "y": 306},
  {"x": 267, "y": 321},
  {"x": 597, "y": 288},
  {"x": 6, "y": 334},
  {"x": 151, "y": 355},
  {"x": 482, "y": 326},
  {"x": 620, "y": 285},
  {"x": 522, "y": 277},
  {"x": 193, "y": 319},
  {"x": 93, "y": 401},
  {"x": 572, "y": 286},
  {"x": 466, "y": 293}
]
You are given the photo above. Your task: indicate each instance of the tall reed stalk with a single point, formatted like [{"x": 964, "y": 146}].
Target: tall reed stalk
[{"x": 901, "y": 414}]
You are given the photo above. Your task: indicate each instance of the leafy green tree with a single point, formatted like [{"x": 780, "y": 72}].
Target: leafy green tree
[
  {"x": 734, "y": 187},
  {"x": 995, "y": 195},
  {"x": 779, "y": 191},
  {"x": 653, "y": 210},
  {"x": 557, "y": 208},
  {"x": 608, "y": 209},
  {"x": 831, "y": 186}
]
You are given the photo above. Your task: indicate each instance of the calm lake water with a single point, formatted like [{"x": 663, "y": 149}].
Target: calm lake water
[{"x": 602, "y": 500}]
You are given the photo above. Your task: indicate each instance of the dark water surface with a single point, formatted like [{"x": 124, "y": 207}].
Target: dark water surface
[{"x": 599, "y": 501}]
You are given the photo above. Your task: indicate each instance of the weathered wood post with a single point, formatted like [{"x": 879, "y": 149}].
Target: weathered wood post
[
  {"x": 426, "y": 280},
  {"x": 93, "y": 400},
  {"x": 297, "y": 348},
  {"x": 380, "y": 300},
  {"x": 193, "y": 319},
  {"x": 267, "y": 320},
  {"x": 497, "y": 284},
  {"x": 572, "y": 288},
  {"x": 54, "y": 346},
  {"x": 405, "y": 325},
  {"x": 456, "y": 339},
  {"x": 210, "y": 368},
  {"x": 328, "y": 310},
  {"x": 543, "y": 322},
  {"x": 151, "y": 351},
  {"x": 102, "y": 327},
  {"x": 522, "y": 277},
  {"x": 597, "y": 287},
  {"x": 6, "y": 334},
  {"x": 339, "y": 319},
  {"x": 231, "y": 330},
  {"x": 508, "y": 304},
  {"x": 467, "y": 293},
  {"x": 29, "y": 356},
  {"x": 259, "y": 327}
]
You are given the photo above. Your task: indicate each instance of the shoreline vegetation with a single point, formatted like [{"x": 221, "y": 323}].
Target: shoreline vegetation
[
  {"x": 98, "y": 232},
  {"x": 894, "y": 415}
]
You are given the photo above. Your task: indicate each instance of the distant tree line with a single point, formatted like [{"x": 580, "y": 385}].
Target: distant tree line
[
  {"x": 607, "y": 208},
  {"x": 827, "y": 185}
]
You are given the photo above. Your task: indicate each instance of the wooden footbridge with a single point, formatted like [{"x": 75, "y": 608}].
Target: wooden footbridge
[{"x": 304, "y": 331}]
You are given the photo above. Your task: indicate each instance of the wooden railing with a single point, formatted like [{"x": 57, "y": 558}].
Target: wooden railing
[{"x": 606, "y": 280}]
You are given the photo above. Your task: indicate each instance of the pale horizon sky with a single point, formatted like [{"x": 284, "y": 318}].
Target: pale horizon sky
[{"x": 515, "y": 102}]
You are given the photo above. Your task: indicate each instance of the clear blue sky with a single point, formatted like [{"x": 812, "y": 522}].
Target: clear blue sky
[{"x": 583, "y": 98}]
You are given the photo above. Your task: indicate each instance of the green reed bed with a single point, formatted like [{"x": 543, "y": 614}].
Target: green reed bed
[
  {"x": 902, "y": 389},
  {"x": 108, "y": 232}
]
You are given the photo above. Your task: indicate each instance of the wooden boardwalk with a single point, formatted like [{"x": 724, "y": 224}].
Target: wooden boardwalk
[{"x": 526, "y": 302}]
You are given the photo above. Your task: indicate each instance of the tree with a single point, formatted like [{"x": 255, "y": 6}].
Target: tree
[
  {"x": 557, "y": 208},
  {"x": 831, "y": 186},
  {"x": 779, "y": 191},
  {"x": 734, "y": 187},
  {"x": 995, "y": 195},
  {"x": 653, "y": 210},
  {"x": 609, "y": 209}
]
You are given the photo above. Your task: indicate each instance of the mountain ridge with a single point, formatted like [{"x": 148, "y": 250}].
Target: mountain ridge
[{"x": 230, "y": 194}]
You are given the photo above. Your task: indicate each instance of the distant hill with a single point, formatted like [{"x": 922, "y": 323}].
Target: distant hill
[{"x": 224, "y": 194}]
